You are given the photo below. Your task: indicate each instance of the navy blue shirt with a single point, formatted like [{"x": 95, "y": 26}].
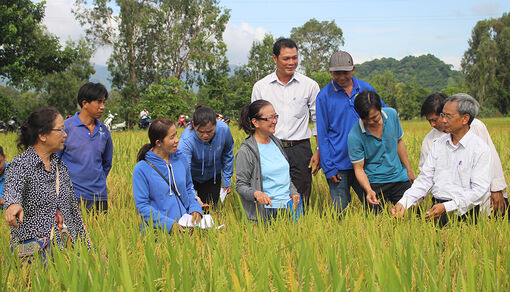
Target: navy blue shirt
[
  {"x": 335, "y": 117},
  {"x": 88, "y": 156}
]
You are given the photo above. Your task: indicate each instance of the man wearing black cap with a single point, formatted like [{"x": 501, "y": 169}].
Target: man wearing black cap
[{"x": 335, "y": 117}]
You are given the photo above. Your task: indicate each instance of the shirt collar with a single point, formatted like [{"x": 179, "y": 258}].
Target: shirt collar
[
  {"x": 362, "y": 126},
  {"x": 355, "y": 86},
  {"x": 464, "y": 141},
  {"x": 78, "y": 122},
  {"x": 274, "y": 78},
  {"x": 36, "y": 160}
]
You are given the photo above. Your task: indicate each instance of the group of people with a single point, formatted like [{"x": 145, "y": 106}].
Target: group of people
[{"x": 359, "y": 146}]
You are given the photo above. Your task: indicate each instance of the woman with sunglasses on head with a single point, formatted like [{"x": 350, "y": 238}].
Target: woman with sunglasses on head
[
  {"x": 262, "y": 168},
  {"x": 40, "y": 203},
  {"x": 209, "y": 148},
  {"x": 162, "y": 185}
]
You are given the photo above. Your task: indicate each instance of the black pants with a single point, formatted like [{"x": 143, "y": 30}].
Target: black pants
[
  {"x": 301, "y": 176},
  {"x": 471, "y": 216},
  {"x": 100, "y": 206},
  {"x": 387, "y": 192},
  {"x": 209, "y": 192}
]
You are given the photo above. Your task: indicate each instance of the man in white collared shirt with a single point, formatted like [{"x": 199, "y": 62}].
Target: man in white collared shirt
[
  {"x": 293, "y": 96},
  {"x": 431, "y": 109},
  {"x": 458, "y": 169}
]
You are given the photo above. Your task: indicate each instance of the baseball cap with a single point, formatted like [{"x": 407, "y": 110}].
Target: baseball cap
[{"x": 341, "y": 61}]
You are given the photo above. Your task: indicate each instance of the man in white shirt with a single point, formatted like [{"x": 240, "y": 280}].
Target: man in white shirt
[
  {"x": 458, "y": 169},
  {"x": 293, "y": 96},
  {"x": 431, "y": 109}
]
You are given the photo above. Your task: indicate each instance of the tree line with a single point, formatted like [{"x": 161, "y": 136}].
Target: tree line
[{"x": 170, "y": 56}]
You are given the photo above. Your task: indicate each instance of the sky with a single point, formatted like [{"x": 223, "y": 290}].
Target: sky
[{"x": 371, "y": 28}]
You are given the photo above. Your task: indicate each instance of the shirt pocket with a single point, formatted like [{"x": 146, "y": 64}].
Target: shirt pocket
[
  {"x": 299, "y": 106},
  {"x": 464, "y": 174}
]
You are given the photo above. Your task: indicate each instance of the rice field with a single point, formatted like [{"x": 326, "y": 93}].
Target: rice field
[{"x": 360, "y": 252}]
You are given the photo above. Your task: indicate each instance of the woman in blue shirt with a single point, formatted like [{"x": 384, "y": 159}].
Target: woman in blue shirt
[
  {"x": 209, "y": 148},
  {"x": 162, "y": 185},
  {"x": 262, "y": 168}
]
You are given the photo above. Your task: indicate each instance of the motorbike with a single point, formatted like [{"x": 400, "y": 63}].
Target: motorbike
[
  {"x": 11, "y": 125},
  {"x": 183, "y": 121},
  {"x": 220, "y": 117},
  {"x": 3, "y": 127},
  {"x": 144, "y": 123},
  {"x": 114, "y": 127}
]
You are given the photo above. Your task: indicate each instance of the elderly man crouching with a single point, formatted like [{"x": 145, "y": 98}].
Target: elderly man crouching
[{"x": 458, "y": 168}]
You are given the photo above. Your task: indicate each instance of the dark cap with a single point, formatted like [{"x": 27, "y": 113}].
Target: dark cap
[{"x": 341, "y": 61}]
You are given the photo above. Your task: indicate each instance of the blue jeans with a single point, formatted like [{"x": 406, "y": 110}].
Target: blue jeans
[{"x": 341, "y": 192}]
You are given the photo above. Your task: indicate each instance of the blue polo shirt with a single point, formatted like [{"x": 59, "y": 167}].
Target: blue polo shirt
[
  {"x": 88, "y": 156},
  {"x": 382, "y": 164},
  {"x": 335, "y": 117}
]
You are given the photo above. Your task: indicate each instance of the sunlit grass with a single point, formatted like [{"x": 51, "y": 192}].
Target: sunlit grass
[{"x": 322, "y": 253}]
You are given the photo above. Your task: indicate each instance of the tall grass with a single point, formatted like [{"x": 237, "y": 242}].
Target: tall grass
[{"x": 322, "y": 253}]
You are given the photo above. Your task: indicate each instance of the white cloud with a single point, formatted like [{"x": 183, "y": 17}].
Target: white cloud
[
  {"x": 239, "y": 40},
  {"x": 60, "y": 21},
  {"x": 452, "y": 60},
  {"x": 486, "y": 9}
]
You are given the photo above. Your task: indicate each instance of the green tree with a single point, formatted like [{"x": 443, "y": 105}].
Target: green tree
[
  {"x": 7, "y": 108},
  {"x": 322, "y": 78},
  {"x": 167, "y": 99},
  {"x": 385, "y": 86},
  {"x": 486, "y": 63},
  {"x": 156, "y": 40},
  {"x": 317, "y": 41},
  {"x": 27, "y": 51},
  {"x": 61, "y": 89},
  {"x": 215, "y": 92},
  {"x": 408, "y": 99},
  {"x": 427, "y": 70},
  {"x": 260, "y": 60}
]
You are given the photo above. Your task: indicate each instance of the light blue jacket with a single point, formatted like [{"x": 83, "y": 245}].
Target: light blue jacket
[
  {"x": 207, "y": 159},
  {"x": 152, "y": 193}
]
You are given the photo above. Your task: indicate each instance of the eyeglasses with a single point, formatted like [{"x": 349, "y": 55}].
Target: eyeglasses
[
  {"x": 447, "y": 116},
  {"x": 63, "y": 130},
  {"x": 269, "y": 119}
]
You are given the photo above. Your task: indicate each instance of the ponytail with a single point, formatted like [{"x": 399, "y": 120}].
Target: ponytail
[
  {"x": 248, "y": 112},
  {"x": 245, "y": 121},
  {"x": 141, "y": 154},
  {"x": 158, "y": 130}
]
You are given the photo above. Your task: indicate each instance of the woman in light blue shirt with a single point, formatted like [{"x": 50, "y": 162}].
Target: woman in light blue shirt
[{"x": 262, "y": 168}]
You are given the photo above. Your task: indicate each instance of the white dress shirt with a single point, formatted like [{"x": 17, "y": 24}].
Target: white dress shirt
[
  {"x": 498, "y": 183},
  {"x": 460, "y": 174},
  {"x": 294, "y": 102}
]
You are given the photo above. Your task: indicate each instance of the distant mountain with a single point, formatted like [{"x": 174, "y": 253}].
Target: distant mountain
[
  {"x": 426, "y": 71},
  {"x": 102, "y": 75}
]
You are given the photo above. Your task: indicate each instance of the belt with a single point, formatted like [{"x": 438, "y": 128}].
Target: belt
[{"x": 287, "y": 143}]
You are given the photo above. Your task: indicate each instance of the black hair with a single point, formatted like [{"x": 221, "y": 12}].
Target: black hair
[
  {"x": 249, "y": 112},
  {"x": 158, "y": 130},
  {"x": 203, "y": 115},
  {"x": 434, "y": 103},
  {"x": 365, "y": 101},
  {"x": 285, "y": 43},
  {"x": 40, "y": 121},
  {"x": 91, "y": 91},
  {"x": 2, "y": 151}
]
